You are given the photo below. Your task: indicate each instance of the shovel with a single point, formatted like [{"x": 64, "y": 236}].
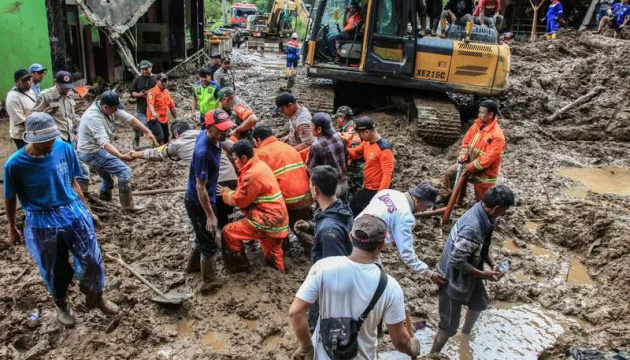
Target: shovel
[{"x": 170, "y": 298}]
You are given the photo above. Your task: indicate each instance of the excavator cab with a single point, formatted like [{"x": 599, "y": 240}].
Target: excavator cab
[{"x": 389, "y": 50}]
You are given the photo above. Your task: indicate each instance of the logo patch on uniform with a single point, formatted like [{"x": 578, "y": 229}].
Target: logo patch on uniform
[
  {"x": 489, "y": 141},
  {"x": 66, "y": 78},
  {"x": 371, "y": 156}
]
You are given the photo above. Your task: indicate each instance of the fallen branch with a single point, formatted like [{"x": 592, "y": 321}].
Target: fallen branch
[
  {"x": 581, "y": 100},
  {"x": 158, "y": 191}
]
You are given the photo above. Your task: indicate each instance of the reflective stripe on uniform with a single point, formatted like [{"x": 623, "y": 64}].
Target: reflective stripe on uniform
[
  {"x": 268, "y": 198},
  {"x": 268, "y": 228},
  {"x": 477, "y": 165},
  {"x": 229, "y": 197},
  {"x": 295, "y": 198},
  {"x": 289, "y": 167}
]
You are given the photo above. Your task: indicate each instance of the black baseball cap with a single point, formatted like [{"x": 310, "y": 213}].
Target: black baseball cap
[
  {"x": 111, "y": 98},
  {"x": 425, "y": 193},
  {"x": 324, "y": 121},
  {"x": 284, "y": 99},
  {"x": 64, "y": 80},
  {"x": 21, "y": 74},
  {"x": 369, "y": 229},
  {"x": 161, "y": 76},
  {"x": 364, "y": 123},
  {"x": 225, "y": 59}
]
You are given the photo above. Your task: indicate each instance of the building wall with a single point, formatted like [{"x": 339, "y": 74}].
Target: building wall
[{"x": 24, "y": 40}]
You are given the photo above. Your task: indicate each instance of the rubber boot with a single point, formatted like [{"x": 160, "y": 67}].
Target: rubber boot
[
  {"x": 105, "y": 195},
  {"x": 96, "y": 300},
  {"x": 235, "y": 262},
  {"x": 194, "y": 261},
  {"x": 136, "y": 142},
  {"x": 64, "y": 313},
  {"x": 126, "y": 199},
  {"x": 209, "y": 278}
]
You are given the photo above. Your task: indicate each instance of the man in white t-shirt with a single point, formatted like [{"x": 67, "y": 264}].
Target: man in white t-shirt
[{"x": 344, "y": 286}]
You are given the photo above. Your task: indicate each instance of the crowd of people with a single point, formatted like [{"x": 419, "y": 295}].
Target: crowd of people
[{"x": 328, "y": 180}]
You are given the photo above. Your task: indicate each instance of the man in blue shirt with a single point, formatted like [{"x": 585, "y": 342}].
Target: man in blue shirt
[
  {"x": 618, "y": 17},
  {"x": 37, "y": 72},
  {"x": 200, "y": 198},
  {"x": 43, "y": 176}
]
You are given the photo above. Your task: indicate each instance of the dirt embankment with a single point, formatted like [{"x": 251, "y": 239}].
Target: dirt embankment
[{"x": 247, "y": 319}]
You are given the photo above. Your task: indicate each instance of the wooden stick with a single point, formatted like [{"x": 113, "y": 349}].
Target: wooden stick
[
  {"x": 427, "y": 214},
  {"x": 579, "y": 101},
  {"x": 535, "y": 19},
  {"x": 589, "y": 15},
  {"x": 158, "y": 191}
]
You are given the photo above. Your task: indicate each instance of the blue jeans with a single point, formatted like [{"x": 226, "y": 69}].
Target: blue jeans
[
  {"x": 107, "y": 165},
  {"x": 142, "y": 117},
  {"x": 330, "y": 41}
]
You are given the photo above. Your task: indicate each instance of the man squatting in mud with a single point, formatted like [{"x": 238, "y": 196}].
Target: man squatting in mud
[{"x": 43, "y": 176}]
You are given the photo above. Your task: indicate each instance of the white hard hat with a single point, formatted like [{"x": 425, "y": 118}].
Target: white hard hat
[{"x": 294, "y": 36}]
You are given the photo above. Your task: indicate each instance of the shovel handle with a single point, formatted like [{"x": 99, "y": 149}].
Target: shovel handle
[
  {"x": 409, "y": 327},
  {"x": 136, "y": 274},
  {"x": 454, "y": 196}
]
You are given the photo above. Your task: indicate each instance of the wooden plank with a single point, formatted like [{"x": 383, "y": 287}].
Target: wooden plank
[{"x": 589, "y": 15}]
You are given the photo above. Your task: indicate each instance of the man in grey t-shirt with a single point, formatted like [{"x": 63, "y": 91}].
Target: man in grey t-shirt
[
  {"x": 224, "y": 76},
  {"x": 96, "y": 132}
]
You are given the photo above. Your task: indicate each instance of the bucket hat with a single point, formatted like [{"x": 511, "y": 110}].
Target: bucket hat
[{"x": 40, "y": 128}]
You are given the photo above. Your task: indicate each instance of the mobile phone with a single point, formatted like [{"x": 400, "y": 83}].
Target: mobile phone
[{"x": 504, "y": 265}]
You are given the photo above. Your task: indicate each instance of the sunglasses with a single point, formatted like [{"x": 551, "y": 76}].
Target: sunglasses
[{"x": 41, "y": 72}]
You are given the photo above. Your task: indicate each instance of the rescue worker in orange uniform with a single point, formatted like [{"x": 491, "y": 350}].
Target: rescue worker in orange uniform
[
  {"x": 242, "y": 114},
  {"x": 159, "y": 102},
  {"x": 378, "y": 154},
  {"x": 482, "y": 149},
  {"x": 266, "y": 219},
  {"x": 286, "y": 164}
]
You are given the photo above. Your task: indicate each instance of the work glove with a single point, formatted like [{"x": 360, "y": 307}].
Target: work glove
[{"x": 303, "y": 354}]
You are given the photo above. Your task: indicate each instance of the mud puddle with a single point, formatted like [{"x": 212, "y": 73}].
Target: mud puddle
[
  {"x": 606, "y": 180},
  {"x": 507, "y": 331},
  {"x": 578, "y": 274}
]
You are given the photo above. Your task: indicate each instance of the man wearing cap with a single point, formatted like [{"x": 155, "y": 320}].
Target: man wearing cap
[
  {"x": 20, "y": 101},
  {"x": 462, "y": 264},
  {"x": 344, "y": 120},
  {"x": 200, "y": 200},
  {"x": 242, "y": 114},
  {"x": 38, "y": 72},
  {"x": 216, "y": 63},
  {"x": 97, "y": 130},
  {"x": 259, "y": 196},
  {"x": 293, "y": 54},
  {"x": 205, "y": 92},
  {"x": 139, "y": 88},
  {"x": 396, "y": 209},
  {"x": 224, "y": 76},
  {"x": 328, "y": 149},
  {"x": 481, "y": 152},
  {"x": 59, "y": 102},
  {"x": 159, "y": 102},
  {"x": 300, "y": 133},
  {"x": 378, "y": 154},
  {"x": 43, "y": 176},
  {"x": 332, "y": 283}
]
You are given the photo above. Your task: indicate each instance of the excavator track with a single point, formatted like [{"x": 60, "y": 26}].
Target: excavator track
[{"x": 438, "y": 120}]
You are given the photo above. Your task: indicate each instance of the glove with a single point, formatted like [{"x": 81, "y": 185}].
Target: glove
[{"x": 307, "y": 354}]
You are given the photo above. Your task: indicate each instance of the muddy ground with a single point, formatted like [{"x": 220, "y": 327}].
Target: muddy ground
[{"x": 247, "y": 318}]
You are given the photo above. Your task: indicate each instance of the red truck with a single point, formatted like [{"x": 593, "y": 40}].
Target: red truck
[{"x": 239, "y": 13}]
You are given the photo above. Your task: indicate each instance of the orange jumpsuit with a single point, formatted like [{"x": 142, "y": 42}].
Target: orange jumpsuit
[
  {"x": 484, "y": 148},
  {"x": 161, "y": 101},
  {"x": 259, "y": 197}
]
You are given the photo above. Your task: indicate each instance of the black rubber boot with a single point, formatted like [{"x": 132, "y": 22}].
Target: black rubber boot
[
  {"x": 126, "y": 199},
  {"x": 209, "y": 275},
  {"x": 105, "y": 195},
  {"x": 194, "y": 261}
]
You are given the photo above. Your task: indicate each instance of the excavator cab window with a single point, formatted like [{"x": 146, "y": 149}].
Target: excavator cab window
[
  {"x": 391, "y": 46},
  {"x": 328, "y": 32}
]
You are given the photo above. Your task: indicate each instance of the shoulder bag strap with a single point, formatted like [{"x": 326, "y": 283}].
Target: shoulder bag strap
[{"x": 382, "y": 284}]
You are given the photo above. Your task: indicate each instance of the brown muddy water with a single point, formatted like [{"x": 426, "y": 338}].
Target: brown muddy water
[
  {"x": 506, "y": 331},
  {"x": 606, "y": 180}
]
